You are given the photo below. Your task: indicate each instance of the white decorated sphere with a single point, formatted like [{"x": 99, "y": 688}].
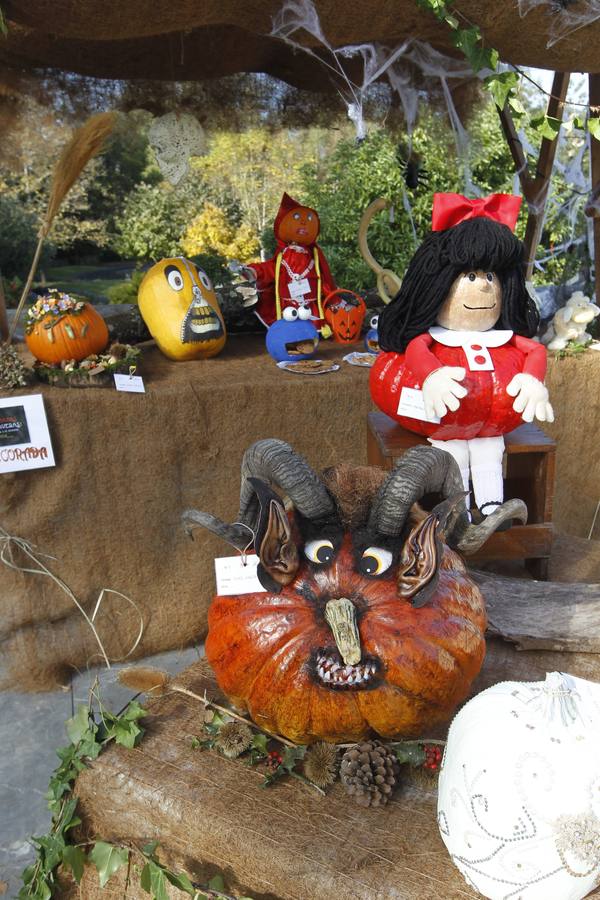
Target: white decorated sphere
[{"x": 519, "y": 790}]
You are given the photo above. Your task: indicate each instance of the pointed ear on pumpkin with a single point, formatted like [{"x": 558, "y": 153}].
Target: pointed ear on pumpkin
[
  {"x": 273, "y": 541},
  {"x": 419, "y": 562}
]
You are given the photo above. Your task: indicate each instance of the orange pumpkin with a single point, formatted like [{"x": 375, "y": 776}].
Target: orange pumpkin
[
  {"x": 369, "y": 620},
  {"x": 73, "y": 334},
  {"x": 268, "y": 652},
  {"x": 344, "y": 312}
]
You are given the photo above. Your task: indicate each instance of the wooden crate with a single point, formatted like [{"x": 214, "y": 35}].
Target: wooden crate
[{"x": 529, "y": 475}]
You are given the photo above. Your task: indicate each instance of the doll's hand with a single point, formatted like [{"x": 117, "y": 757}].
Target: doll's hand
[
  {"x": 442, "y": 392},
  {"x": 531, "y": 398}
]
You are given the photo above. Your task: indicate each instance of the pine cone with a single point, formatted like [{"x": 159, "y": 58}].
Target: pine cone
[{"x": 369, "y": 773}]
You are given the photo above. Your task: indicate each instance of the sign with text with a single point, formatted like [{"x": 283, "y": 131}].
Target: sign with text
[{"x": 24, "y": 436}]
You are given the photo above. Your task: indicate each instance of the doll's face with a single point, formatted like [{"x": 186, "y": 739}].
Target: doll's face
[
  {"x": 474, "y": 302},
  {"x": 299, "y": 226}
]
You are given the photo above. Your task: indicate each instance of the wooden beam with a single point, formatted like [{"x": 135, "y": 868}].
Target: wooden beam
[
  {"x": 594, "y": 84},
  {"x": 535, "y": 188}
]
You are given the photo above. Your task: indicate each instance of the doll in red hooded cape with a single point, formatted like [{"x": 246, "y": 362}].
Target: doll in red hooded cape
[
  {"x": 460, "y": 365},
  {"x": 298, "y": 274}
]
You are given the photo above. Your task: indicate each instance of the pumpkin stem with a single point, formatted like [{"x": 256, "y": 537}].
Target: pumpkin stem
[{"x": 340, "y": 615}]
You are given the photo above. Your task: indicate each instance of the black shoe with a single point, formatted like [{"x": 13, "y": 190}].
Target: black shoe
[{"x": 491, "y": 506}]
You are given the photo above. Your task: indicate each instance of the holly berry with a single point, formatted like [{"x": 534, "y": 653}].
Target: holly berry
[
  {"x": 433, "y": 757},
  {"x": 274, "y": 760}
]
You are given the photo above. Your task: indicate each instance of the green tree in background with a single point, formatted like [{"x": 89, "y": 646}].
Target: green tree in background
[{"x": 152, "y": 223}]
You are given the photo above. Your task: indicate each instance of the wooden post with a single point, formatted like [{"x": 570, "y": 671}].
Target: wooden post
[
  {"x": 594, "y": 83},
  {"x": 3, "y": 315},
  {"x": 535, "y": 188}
]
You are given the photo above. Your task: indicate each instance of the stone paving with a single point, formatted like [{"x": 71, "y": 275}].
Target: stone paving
[{"x": 31, "y": 729}]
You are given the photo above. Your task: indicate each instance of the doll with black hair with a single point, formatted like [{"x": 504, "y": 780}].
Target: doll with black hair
[{"x": 459, "y": 364}]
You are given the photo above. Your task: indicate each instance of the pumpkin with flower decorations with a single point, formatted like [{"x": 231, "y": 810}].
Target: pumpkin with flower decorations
[{"x": 60, "y": 328}]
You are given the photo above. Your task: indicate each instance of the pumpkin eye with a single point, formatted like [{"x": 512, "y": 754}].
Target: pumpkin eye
[
  {"x": 490, "y": 276},
  {"x": 309, "y": 217},
  {"x": 290, "y": 314},
  {"x": 320, "y": 551},
  {"x": 304, "y": 313},
  {"x": 375, "y": 561},
  {"x": 174, "y": 277},
  {"x": 374, "y": 321},
  {"x": 296, "y": 216},
  {"x": 472, "y": 276},
  {"x": 204, "y": 279}
]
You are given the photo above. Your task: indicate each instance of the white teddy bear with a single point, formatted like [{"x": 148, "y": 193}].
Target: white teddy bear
[{"x": 569, "y": 323}]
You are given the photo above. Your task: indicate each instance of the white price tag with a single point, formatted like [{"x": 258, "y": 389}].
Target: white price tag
[
  {"x": 233, "y": 577},
  {"x": 412, "y": 406},
  {"x": 299, "y": 289},
  {"x": 133, "y": 383}
]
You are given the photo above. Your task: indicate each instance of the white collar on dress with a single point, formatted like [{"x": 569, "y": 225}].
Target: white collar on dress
[
  {"x": 492, "y": 338},
  {"x": 297, "y": 247}
]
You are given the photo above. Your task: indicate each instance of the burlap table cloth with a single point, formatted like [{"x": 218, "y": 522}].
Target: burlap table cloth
[
  {"x": 129, "y": 464},
  {"x": 127, "y": 467}
]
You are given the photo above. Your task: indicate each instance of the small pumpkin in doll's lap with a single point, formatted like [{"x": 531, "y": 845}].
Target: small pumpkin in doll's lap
[{"x": 59, "y": 327}]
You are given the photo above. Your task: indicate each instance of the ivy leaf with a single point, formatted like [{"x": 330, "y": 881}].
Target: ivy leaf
[
  {"x": 180, "y": 881},
  {"x": 500, "y": 87},
  {"x": 469, "y": 41},
  {"x": 217, "y": 883},
  {"x": 74, "y": 858},
  {"x": 579, "y": 122},
  {"x": 126, "y": 733},
  {"x": 79, "y": 725},
  {"x": 291, "y": 755},
  {"x": 154, "y": 882},
  {"x": 108, "y": 860},
  {"x": 594, "y": 127},
  {"x": 546, "y": 126},
  {"x": 150, "y": 849}
]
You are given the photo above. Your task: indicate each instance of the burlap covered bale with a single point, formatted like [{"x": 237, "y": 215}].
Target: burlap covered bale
[
  {"x": 190, "y": 40},
  {"x": 210, "y": 814}
]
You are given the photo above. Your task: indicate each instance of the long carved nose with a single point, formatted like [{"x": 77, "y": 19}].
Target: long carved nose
[{"x": 340, "y": 615}]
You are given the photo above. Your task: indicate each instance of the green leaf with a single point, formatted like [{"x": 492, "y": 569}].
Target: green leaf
[
  {"x": 469, "y": 41},
  {"x": 79, "y": 725},
  {"x": 546, "y": 126},
  {"x": 291, "y": 755},
  {"x": 153, "y": 881},
  {"x": 593, "y": 125},
  {"x": 3, "y": 26},
  {"x": 126, "y": 734},
  {"x": 579, "y": 122},
  {"x": 108, "y": 860},
  {"x": 74, "y": 858},
  {"x": 180, "y": 881},
  {"x": 217, "y": 883},
  {"x": 150, "y": 849},
  {"x": 134, "y": 711},
  {"x": 410, "y": 752},
  {"x": 259, "y": 742},
  {"x": 501, "y": 86}
]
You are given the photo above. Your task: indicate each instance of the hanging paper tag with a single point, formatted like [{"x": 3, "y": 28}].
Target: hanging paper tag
[
  {"x": 133, "y": 383},
  {"x": 412, "y": 406},
  {"x": 299, "y": 289},
  {"x": 233, "y": 577}
]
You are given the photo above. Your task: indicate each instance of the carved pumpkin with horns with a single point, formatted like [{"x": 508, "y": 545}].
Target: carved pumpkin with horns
[
  {"x": 369, "y": 621},
  {"x": 180, "y": 308}
]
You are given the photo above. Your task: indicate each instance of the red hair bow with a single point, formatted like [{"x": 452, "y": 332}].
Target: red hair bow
[{"x": 451, "y": 209}]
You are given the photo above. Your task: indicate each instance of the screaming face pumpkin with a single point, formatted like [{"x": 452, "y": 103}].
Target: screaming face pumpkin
[
  {"x": 180, "y": 308},
  {"x": 344, "y": 313},
  {"x": 369, "y": 622}
]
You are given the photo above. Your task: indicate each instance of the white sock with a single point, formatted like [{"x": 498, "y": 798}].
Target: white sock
[{"x": 488, "y": 486}]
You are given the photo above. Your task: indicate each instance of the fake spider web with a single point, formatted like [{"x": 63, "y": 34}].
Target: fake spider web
[
  {"x": 175, "y": 137},
  {"x": 567, "y": 16},
  {"x": 377, "y": 61}
]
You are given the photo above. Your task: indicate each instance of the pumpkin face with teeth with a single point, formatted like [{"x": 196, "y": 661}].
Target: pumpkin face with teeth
[
  {"x": 369, "y": 621},
  {"x": 181, "y": 310}
]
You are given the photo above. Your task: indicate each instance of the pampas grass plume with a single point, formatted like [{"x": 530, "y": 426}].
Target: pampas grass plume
[{"x": 145, "y": 680}]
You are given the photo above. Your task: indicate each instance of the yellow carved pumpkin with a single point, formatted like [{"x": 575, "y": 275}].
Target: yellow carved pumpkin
[{"x": 180, "y": 308}]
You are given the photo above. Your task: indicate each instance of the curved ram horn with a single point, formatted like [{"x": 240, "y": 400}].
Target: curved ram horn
[
  {"x": 236, "y": 535},
  {"x": 425, "y": 470},
  {"x": 388, "y": 283},
  {"x": 278, "y": 464}
]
